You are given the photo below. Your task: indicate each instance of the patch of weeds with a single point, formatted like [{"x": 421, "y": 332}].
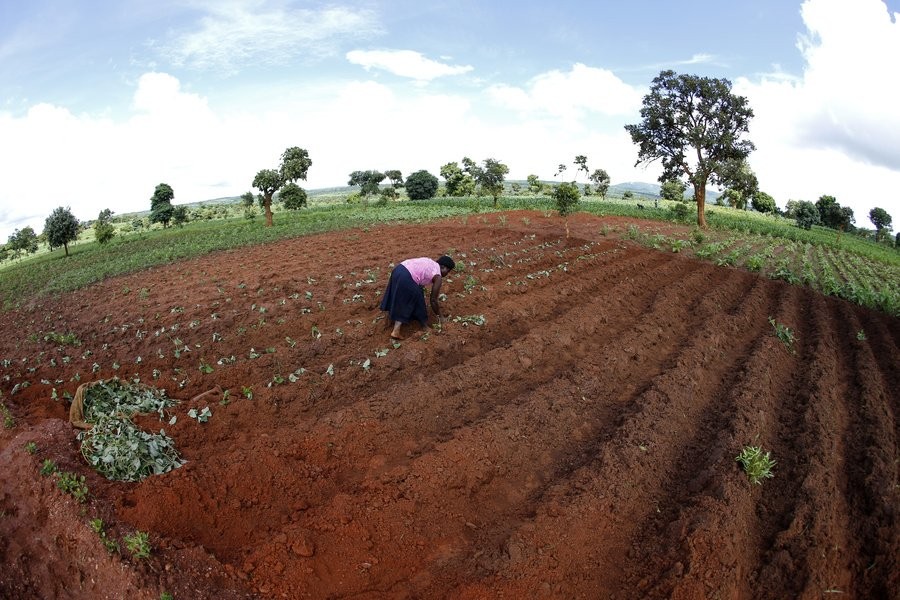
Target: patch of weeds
[
  {"x": 111, "y": 545},
  {"x": 72, "y": 484},
  {"x": 757, "y": 464},
  {"x": 470, "y": 284},
  {"x": 677, "y": 245},
  {"x": 48, "y": 467},
  {"x": 8, "y": 421},
  {"x": 783, "y": 333},
  {"x": 861, "y": 335},
  {"x": 64, "y": 339},
  {"x": 205, "y": 368},
  {"x": 138, "y": 544},
  {"x": 31, "y": 448},
  {"x": 698, "y": 237}
]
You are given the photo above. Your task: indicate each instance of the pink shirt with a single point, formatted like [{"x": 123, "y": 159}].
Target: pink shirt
[{"x": 422, "y": 269}]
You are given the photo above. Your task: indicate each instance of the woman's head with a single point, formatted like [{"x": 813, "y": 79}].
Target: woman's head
[{"x": 447, "y": 265}]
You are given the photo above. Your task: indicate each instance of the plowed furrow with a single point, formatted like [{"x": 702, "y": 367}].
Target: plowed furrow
[
  {"x": 658, "y": 425},
  {"x": 603, "y": 295},
  {"x": 495, "y": 490},
  {"x": 697, "y": 539},
  {"x": 871, "y": 474}
]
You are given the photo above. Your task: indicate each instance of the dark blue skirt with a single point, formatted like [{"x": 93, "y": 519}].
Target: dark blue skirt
[{"x": 404, "y": 299}]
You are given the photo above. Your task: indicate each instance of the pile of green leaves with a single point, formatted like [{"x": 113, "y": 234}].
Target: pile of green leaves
[{"x": 116, "y": 447}]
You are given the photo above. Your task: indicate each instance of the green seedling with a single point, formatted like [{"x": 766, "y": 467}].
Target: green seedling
[
  {"x": 48, "y": 467},
  {"x": 861, "y": 335},
  {"x": 72, "y": 484},
  {"x": 757, "y": 464},
  {"x": 202, "y": 416},
  {"x": 247, "y": 392},
  {"x": 783, "y": 333},
  {"x": 31, "y": 448},
  {"x": 138, "y": 544}
]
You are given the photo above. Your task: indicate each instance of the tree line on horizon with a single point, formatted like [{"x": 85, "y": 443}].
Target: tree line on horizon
[{"x": 695, "y": 127}]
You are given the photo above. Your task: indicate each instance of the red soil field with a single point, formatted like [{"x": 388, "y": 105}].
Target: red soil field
[{"x": 580, "y": 444}]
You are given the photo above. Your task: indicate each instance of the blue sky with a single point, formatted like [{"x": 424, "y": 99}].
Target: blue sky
[{"x": 100, "y": 100}]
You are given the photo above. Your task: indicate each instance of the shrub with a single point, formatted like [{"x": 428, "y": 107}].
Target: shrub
[
  {"x": 566, "y": 196},
  {"x": 807, "y": 214},
  {"x": 421, "y": 185}
]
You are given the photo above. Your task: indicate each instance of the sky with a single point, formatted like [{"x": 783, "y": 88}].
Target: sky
[{"x": 101, "y": 100}]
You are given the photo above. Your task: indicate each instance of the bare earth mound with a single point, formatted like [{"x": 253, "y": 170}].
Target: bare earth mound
[{"x": 580, "y": 444}]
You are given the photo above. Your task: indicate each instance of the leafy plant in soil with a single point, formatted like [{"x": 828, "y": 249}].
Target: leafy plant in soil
[
  {"x": 138, "y": 544},
  {"x": 757, "y": 464},
  {"x": 783, "y": 333},
  {"x": 115, "y": 447}
]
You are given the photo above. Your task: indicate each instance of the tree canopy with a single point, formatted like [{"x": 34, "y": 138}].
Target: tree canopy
[
  {"x": 601, "y": 182},
  {"x": 806, "y": 214},
  {"x": 421, "y": 185},
  {"x": 368, "y": 181},
  {"x": 881, "y": 220},
  {"x": 295, "y": 164},
  {"x": 161, "y": 204},
  {"x": 292, "y": 196},
  {"x": 103, "y": 228},
  {"x": 673, "y": 190},
  {"x": 693, "y": 125},
  {"x": 60, "y": 228},
  {"x": 22, "y": 241},
  {"x": 459, "y": 182},
  {"x": 833, "y": 215},
  {"x": 490, "y": 177},
  {"x": 764, "y": 203}
]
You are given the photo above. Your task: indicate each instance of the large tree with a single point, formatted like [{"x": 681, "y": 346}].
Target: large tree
[
  {"x": 295, "y": 164},
  {"x": 881, "y": 220},
  {"x": 806, "y": 214},
  {"x": 161, "y": 204},
  {"x": 60, "y": 228},
  {"x": 693, "y": 125},
  {"x": 421, "y": 185}
]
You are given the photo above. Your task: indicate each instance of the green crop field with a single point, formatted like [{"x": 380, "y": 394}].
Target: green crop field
[{"x": 844, "y": 265}]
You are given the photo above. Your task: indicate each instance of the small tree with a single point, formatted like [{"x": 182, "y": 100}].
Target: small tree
[
  {"x": 22, "y": 241},
  {"x": 179, "y": 215},
  {"x": 490, "y": 177},
  {"x": 459, "y": 183},
  {"x": 292, "y": 196},
  {"x": 882, "y": 221},
  {"x": 103, "y": 228},
  {"x": 601, "y": 182},
  {"x": 421, "y": 185},
  {"x": 295, "y": 164},
  {"x": 672, "y": 190},
  {"x": 247, "y": 199},
  {"x": 694, "y": 126},
  {"x": 534, "y": 184},
  {"x": 566, "y": 196},
  {"x": 806, "y": 214},
  {"x": 60, "y": 228},
  {"x": 368, "y": 181},
  {"x": 628, "y": 195},
  {"x": 764, "y": 203},
  {"x": 161, "y": 204}
]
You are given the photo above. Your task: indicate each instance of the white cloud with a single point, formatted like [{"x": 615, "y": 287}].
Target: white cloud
[
  {"x": 405, "y": 63},
  {"x": 570, "y": 95},
  {"x": 236, "y": 34},
  {"x": 835, "y": 129}
]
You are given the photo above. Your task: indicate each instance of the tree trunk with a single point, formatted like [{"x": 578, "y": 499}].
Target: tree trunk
[
  {"x": 267, "y": 204},
  {"x": 700, "y": 195},
  {"x": 66, "y": 246}
]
